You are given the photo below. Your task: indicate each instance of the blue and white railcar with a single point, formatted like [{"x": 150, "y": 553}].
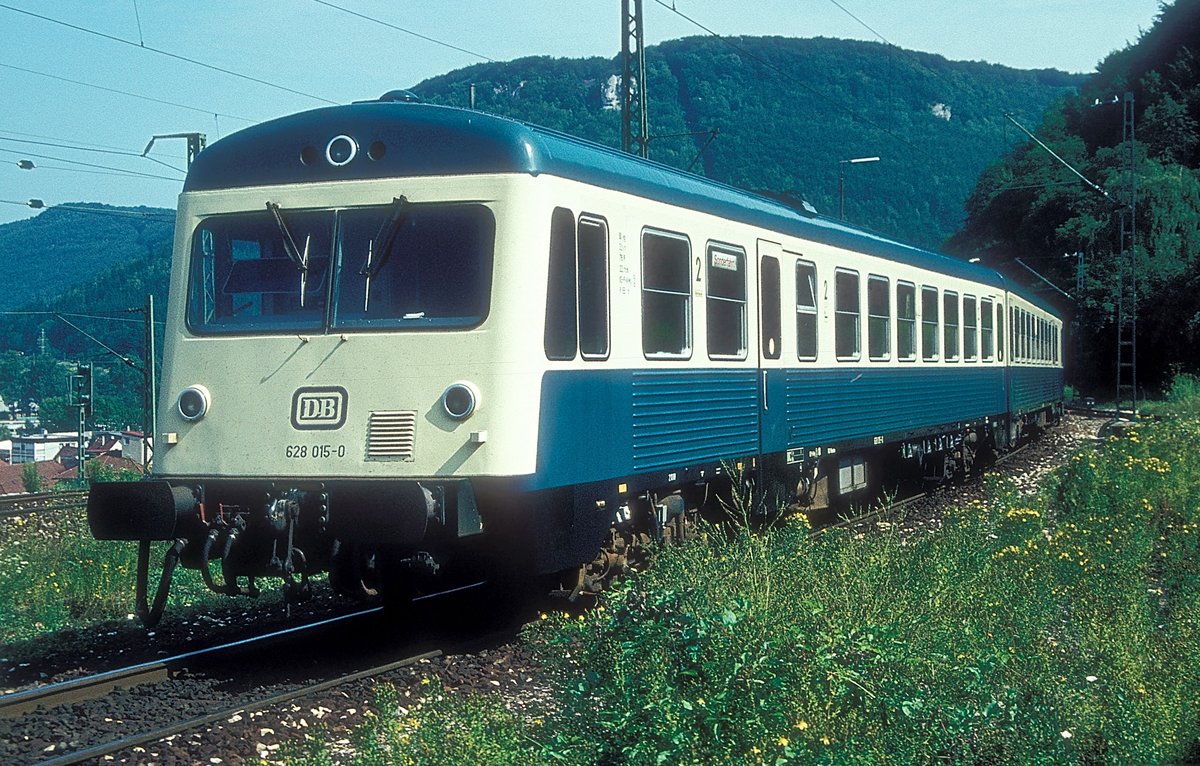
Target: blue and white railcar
[{"x": 405, "y": 339}]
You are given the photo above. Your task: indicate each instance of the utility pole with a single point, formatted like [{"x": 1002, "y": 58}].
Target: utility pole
[
  {"x": 82, "y": 385},
  {"x": 149, "y": 389},
  {"x": 1127, "y": 299},
  {"x": 633, "y": 54}
]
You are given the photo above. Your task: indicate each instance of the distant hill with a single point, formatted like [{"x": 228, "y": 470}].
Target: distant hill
[
  {"x": 41, "y": 257},
  {"x": 788, "y": 110}
]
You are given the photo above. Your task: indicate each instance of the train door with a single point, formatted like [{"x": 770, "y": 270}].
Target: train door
[{"x": 772, "y": 420}]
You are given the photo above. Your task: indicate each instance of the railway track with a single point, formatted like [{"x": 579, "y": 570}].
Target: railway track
[
  {"x": 121, "y": 715},
  {"x": 42, "y": 502}
]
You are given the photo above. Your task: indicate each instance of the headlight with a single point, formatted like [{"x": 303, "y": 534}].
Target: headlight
[
  {"x": 193, "y": 403},
  {"x": 460, "y": 400}
]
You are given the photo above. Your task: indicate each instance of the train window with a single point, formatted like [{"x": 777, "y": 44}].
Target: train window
[
  {"x": 666, "y": 295},
  {"x": 770, "y": 299},
  {"x": 929, "y": 324},
  {"x": 415, "y": 266},
  {"x": 725, "y": 307},
  {"x": 247, "y": 276},
  {"x": 999, "y": 332},
  {"x": 906, "y": 321},
  {"x": 806, "y": 311},
  {"x": 986, "y": 335},
  {"x": 847, "y": 331},
  {"x": 560, "y": 332},
  {"x": 1014, "y": 341},
  {"x": 970, "y": 328},
  {"x": 950, "y": 325},
  {"x": 879, "y": 318},
  {"x": 593, "y": 286}
]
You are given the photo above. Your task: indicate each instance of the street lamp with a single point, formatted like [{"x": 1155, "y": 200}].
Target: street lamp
[{"x": 842, "y": 181}]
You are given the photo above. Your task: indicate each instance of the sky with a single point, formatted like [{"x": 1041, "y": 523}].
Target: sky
[{"x": 110, "y": 74}]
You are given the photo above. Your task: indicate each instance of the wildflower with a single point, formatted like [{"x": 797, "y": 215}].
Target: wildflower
[
  {"x": 1092, "y": 679},
  {"x": 700, "y": 702},
  {"x": 825, "y": 740},
  {"x": 783, "y": 741},
  {"x": 801, "y": 725},
  {"x": 1066, "y": 734}
]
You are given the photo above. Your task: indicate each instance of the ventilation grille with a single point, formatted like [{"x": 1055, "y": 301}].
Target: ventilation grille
[{"x": 391, "y": 434}]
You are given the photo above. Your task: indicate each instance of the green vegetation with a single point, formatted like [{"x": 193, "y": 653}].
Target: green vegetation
[
  {"x": 788, "y": 110},
  {"x": 55, "y": 577},
  {"x": 1057, "y": 628},
  {"x": 1029, "y": 206}
]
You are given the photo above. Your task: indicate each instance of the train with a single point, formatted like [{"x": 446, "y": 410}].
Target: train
[{"x": 412, "y": 345}]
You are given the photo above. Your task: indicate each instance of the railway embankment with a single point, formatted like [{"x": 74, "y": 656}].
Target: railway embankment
[{"x": 1047, "y": 613}]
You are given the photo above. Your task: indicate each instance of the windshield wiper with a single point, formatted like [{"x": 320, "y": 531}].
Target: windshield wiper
[
  {"x": 387, "y": 234},
  {"x": 289, "y": 247},
  {"x": 289, "y": 243}
]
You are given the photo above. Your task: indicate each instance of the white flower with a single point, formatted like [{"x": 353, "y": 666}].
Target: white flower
[
  {"x": 1067, "y": 734},
  {"x": 1092, "y": 679}
]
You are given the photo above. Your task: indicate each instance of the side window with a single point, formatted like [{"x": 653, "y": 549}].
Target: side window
[
  {"x": 806, "y": 311},
  {"x": 879, "y": 318},
  {"x": 906, "y": 321},
  {"x": 950, "y": 325},
  {"x": 560, "y": 331},
  {"x": 593, "y": 287},
  {"x": 929, "y": 324},
  {"x": 847, "y": 316},
  {"x": 771, "y": 307},
  {"x": 970, "y": 328},
  {"x": 726, "y": 304},
  {"x": 666, "y": 295},
  {"x": 999, "y": 332},
  {"x": 986, "y": 335}
]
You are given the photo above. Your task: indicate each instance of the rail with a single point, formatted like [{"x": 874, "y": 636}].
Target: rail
[{"x": 42, "y": 502}]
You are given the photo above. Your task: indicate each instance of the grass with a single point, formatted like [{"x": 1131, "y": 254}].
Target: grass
[
  {"x": 1061, "y": 628},
  {"x": 54, "y": 577}
]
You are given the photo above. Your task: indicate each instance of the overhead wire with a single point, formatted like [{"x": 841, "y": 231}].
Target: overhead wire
[
  {"x": 801, "y": 85},
  {"x": 118, "y": 152},
  {"x": 168, "y": 54},
  {"x": 89, "y": 165},
  {"x": 126, "y": 93},
  {"x": 389, "y": 25},
  {"x": 165, "y": 215}
]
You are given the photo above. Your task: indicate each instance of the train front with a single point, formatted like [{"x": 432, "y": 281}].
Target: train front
[{"x": 343, "y": 383}]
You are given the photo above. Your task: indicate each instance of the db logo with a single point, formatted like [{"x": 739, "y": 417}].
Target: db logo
[{"x": 319, "y": 408}]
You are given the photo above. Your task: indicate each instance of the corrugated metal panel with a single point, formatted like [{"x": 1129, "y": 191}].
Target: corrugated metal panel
[
  {"x": 392, "y": 434},
  {"x": 684, "y": 417},
  {"x": 830, "y": 405},
  {"x": 1033, "y": 387}
]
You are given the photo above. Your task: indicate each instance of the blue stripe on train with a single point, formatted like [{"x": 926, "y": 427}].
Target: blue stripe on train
[{"x": 604, "y": 424}]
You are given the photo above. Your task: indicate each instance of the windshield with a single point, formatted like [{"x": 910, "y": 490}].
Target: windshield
[{"x": 413, "y": 266}]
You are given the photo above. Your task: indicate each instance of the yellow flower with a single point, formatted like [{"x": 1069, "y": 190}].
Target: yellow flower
[
  {"x": 801, "y": 725},
  {"x": 783, "y": 742}
]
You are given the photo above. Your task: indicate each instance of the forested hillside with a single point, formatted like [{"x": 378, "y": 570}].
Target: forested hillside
[
  {"x": 42, "y": 256},
  {"x": 787, "y": 111},
  {"x": 1030, "y": 206}
]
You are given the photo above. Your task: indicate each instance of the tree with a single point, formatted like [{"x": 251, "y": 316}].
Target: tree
[{"x": 32, "y": 480}]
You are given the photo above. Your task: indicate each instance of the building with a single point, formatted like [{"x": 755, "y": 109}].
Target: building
[{"x": 41, "y": 447}]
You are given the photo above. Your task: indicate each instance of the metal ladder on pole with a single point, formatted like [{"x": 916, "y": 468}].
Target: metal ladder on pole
[{"x": 1127, "y": 281}]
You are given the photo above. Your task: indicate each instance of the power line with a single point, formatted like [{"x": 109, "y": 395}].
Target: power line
[
  {"x": 37, "y": 204},
  {"x": 864, "y": 24},
  {"x": 90, "y": 165},
  {"x": 807, "y": 88},
  {"x": 168, "y": 54},
  {"x": 118, "y": 152},
  {"x": 427, "y": 38},
  {"x": 124, "y": 93}
]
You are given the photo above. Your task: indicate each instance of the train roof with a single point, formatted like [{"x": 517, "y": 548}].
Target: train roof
[{"x": 393, "y": 139}]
